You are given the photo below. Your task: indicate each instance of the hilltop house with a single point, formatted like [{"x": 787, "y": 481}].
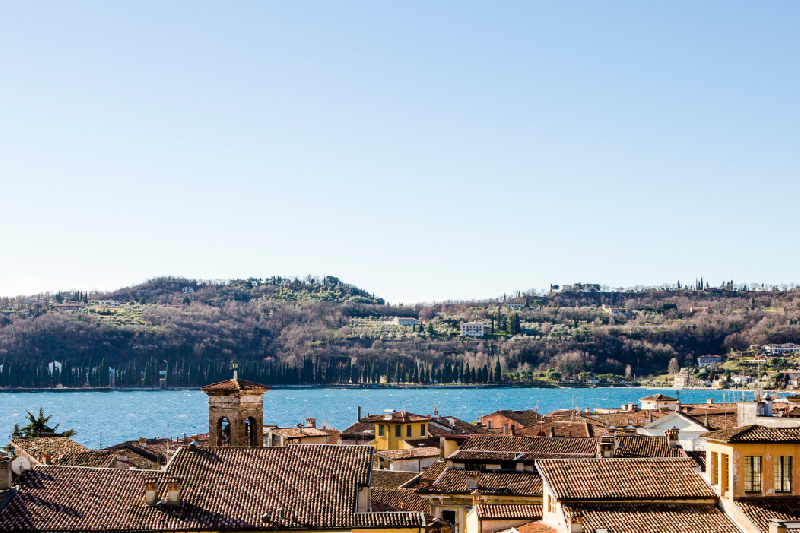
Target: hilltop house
[{"x": 473, "y": 330}]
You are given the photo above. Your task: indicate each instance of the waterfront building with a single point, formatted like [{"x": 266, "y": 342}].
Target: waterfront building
[
  {"x": 510, "y": 421},
  {"x": 235, "y": 413},
  {"x": 659, "y": 401}
]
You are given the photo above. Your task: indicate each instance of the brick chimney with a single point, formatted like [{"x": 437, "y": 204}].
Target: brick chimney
[
  {"x": 311, "y": 423},
  {"x": 151, "y": 491},
  {"x": 672, "y": 437},
  {"x": 5, "y": 473},
  {"x": 174, "y": 491},
  {"x": 47, "y": 459}
]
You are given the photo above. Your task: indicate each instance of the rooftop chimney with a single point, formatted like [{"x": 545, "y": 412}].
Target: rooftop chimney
[
  {"x": 710, "y": 400},
  {"x": 605, "y": 447},
  {"x": 359, "y": 414},
  {"x": 47, "y": 459},
  {"x": 476, "y": 497},
  {"x": 472, "y": 482},
  {"x": 576, "y": 522},
  {"x": 672, "y": 437},
  {"x": 777, "y": 526},
  {"x": 387, "y": 414},
  {"x": 311, "y": 422},
  {"x": 551, "y": 431},
  {"x": 151, "y": 491},
  {"x": 5, "y": 473},
  {"x": 174, "y": 491}
]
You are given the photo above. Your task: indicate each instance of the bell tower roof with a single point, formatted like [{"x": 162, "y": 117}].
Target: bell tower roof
[{"x": 233, "y": 386}]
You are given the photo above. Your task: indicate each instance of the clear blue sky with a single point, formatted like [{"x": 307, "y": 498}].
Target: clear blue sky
[{"x": 421, "y": 150}]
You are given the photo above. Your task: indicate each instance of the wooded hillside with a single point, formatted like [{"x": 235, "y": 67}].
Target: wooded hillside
[{"x": 324, "y": 331}]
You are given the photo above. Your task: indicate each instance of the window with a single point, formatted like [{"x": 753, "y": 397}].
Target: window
[
  {"x": 752, "y": 473},
  {"x": 714, "y": 465},
  {"x": 551, "y": 504},
  {"x": 783, "y": 473},
  {"x": 380, "y": 430},
  {"x": 490, "y": 424},
  {"x": 723, "y": 473},
  {"x": 408, "y": 430},
  {"x": 450, "y": 516},
  {"x": 422, "y": 430},
  {"x": 398, "y": 431}
]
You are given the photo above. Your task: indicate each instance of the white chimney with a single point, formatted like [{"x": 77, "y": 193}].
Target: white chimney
[
  {"x": 672, "y": 437},
  {"x": 387, "y": 414},
  {"x": 311, "y": 422},
  {"x": 174, "y": 491},
  {"x": 151, "y": 491}
]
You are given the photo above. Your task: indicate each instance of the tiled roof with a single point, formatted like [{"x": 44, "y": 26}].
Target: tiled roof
[
  {"x": 398, "y": 416},
  {"x": 516, "y": 457},
  {"x": 636, "y": 518},
  {"x": 363, "y": 429},
  {"x": 57, "y": 447},
  {"x": 444, "y": 426},
  {"x": 389, "y": 479},
  {"x": 399, "y": 499},
  {"x": 513, "y": 482},
  {"x": 233, "y": 385},
  {"x": 523, "y": 418},
  {"x": 629, "y": 418},
  {"x": 699, "y": 457},
  {"x": 410, "y": 453},
  {"x": 427, "y": 477},
  {"x": 716, "y": 420},
  {"x": 754, "y": 433},
  {"x": 643, "y": 446},
  {"x": 535, "y": 527},
  {"x": 658, "y": 398},
  {"x": 620, "y": 479},
  {"x": 527, "y": 511},
  {"x": 530, "y": 444},
  {"x": 221, "y": 489},
  {"x": 761, "y": 511},
  {"x": 301, "y": 432},
  {"x": 559, "y": 428}
]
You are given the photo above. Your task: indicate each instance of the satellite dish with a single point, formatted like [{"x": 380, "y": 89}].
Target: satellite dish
[{"x": 20, "y": 464}]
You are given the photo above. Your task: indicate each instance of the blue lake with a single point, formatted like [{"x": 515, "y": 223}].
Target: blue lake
[{"x": 106, "y": 418}]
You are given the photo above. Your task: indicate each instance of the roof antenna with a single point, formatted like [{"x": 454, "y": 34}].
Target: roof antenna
[{"x": 235, "y": 367}]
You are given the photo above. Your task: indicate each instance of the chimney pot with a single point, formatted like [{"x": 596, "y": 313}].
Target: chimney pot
[
  {"x": 174, "y": 492},
  {"x": 47, "y": 458},
  {"x": 777, "y": 526},
  {"x": 311, "y": 422},
  {"x": 5, "y": 473},
  {"x": 151, "y": 491}
]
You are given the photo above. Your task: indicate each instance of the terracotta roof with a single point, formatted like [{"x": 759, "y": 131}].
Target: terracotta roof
[
  {"x": 233, "y": 385},
  {"x": 643, "y": 446},
  {"x": 398, "y": 416},
  {"x": 761, "y": 510},
  {"x": 362, "y": 428},
  {"x": 560, "y": 428},
  {"x": 530, "y": 444},
  {"x": 717, "y": 420},
  {"x": 301, "y": 432},
  {"x": 448, "y": 425},
  {"x": 389, "y": 479},
  {"x": 221, "y": 489},
  {"x": 523, "y": 418},
  {"x": 480, "y": 456},
  {"x": 658, "y": 398},
  {"x": 410, "y": 453},
  {"x": 399, "y": 499},
  {"x": 630, "y": 418},
  {"x": 619, "y": 479},
  {"x": 535, "y": 527},
  {"x": 512, "y": 482},
  {"x": 639, "y": 517},
  {"x": 754, "y": 433},
  {"x": 57, "y": 447},
  {"x": 699, "y": 457},
  {"x": 526, "y": 511},
  {"x": 427, "y": 477}
]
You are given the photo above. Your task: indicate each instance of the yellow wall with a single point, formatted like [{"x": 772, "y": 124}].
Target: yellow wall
[
  {"x": 736, "y": 454},
  {"x": 390, "y": 442}
]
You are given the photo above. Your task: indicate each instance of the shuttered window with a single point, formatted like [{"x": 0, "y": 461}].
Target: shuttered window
[{"x": 752, "y": 473}]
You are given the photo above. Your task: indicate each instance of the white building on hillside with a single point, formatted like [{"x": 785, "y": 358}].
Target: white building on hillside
[{"x": 473, "y": 330}]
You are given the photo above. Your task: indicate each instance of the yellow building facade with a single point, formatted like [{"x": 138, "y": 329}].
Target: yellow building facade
[{"x": 398, "y": 430}]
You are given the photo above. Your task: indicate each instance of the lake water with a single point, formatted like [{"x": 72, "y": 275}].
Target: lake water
[{"x": 106, "y": 418}]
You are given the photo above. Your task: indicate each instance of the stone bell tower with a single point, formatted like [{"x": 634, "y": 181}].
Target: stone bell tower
[{"x": 235, "y": 413}]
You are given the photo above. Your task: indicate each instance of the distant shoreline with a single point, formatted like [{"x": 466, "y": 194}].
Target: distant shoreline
[{"x": 378, "y": 387}]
